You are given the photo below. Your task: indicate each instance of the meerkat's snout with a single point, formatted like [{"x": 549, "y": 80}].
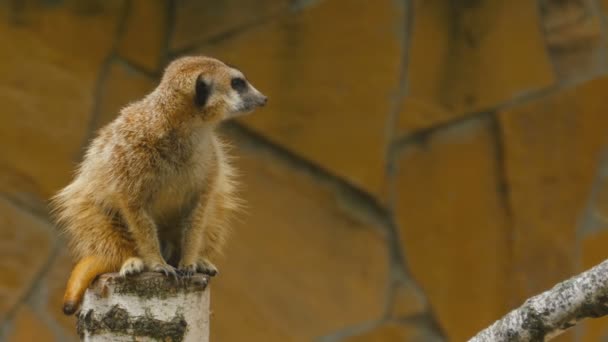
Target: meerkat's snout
[
  {"x": 249, "y": 97},
  {"x": 258, "y": 99},
  {"x": 246, "y": 98}
]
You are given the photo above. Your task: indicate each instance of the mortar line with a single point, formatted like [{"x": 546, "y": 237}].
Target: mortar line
[
  {"x": 400, "y": 273},
  {"x": 38, "y": 302},
  {"x": 599, "y": 8},
  {"x": 40, "y": 274},
  {"x": 227, "y": 34},
  {"x": 504, "y": 196},
  {"x": 169, "y": 31},
  {"x": 415, "y": 136},
  {"x": 102, "y": 76},
  {"x": 396, "y": 250},
  {"x": 351, "y": 331},
  {"x": 319, "y": 173}
]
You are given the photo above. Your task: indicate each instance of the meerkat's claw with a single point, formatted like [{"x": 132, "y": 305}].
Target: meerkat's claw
[
  {"x": 131, "y": 266},
  {"x": 210, "y": 271},
  {"x": 166, "y": 269},
  {"x": 188, "y": 271}
]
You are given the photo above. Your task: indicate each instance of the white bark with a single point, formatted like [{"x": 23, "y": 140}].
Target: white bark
[
  {"x": 549, "y": 314},
  {"x": 148, "y": 307}
]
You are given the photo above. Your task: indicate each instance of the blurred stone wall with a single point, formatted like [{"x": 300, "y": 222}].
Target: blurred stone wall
[{"x": 421, "y": 167}]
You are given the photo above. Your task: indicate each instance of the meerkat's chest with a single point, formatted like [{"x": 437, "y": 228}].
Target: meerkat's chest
[
  {"x": 175, "y": 196},
  {"x": 180, "y": 187}
]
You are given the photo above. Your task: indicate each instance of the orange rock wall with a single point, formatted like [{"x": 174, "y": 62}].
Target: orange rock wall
[{"x": 422, "y": 166}]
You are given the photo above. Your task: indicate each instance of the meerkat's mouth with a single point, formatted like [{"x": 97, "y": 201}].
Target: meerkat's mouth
[{"x": 241, "y": 111}]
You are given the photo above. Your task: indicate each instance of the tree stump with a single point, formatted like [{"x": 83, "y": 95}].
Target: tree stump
[{"x": 147, "y": 307}]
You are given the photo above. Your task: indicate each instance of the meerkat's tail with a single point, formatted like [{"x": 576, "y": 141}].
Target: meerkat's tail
[{"x": 82, "y": 275}]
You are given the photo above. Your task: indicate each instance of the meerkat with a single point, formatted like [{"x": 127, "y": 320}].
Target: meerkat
[{"x": 157, "y": 177}]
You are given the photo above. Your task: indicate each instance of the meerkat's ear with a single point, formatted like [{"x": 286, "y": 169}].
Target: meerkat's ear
[{"x": 201, "y": 92}]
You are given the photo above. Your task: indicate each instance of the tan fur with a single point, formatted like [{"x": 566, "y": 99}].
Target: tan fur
[{"x": 156, "y": 178}]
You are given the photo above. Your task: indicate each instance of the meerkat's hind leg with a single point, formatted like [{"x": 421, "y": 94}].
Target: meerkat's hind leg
[
  {"x": 144, "y": 233},
  {"x": 132, "y": 266}
]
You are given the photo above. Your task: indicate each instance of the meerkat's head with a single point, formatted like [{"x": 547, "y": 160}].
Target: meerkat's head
[{"x": 211, "y": 89}]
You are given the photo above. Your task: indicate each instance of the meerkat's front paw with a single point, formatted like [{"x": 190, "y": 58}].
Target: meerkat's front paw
[
  {"x": 132, "y": 266},
  {"x": 206, "y": 267},
  {"x": 165, "y": 269},
  {"x": 203, "y": 266},
  {"x": 187, "y": 270}
]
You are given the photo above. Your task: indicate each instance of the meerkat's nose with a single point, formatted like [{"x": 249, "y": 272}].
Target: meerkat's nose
[{"x": 264, "y": 100}]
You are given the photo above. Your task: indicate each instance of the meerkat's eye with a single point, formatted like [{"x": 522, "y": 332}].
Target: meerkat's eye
[{"x": 238, "y": 84}]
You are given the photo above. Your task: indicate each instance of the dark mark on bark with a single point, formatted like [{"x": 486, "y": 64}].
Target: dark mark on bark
[
  {"x": 534, "y": 325},
  {"x": 159, "y": 287},
  {"x": 594, "y": 308},
  {"x": 87, "y": 323},
  {"x": 118, "y": 321}
]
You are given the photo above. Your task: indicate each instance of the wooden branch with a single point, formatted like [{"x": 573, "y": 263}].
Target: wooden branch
[
  {"x": 148, "y": 307},
  {"x": 549, "y": 314}
]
